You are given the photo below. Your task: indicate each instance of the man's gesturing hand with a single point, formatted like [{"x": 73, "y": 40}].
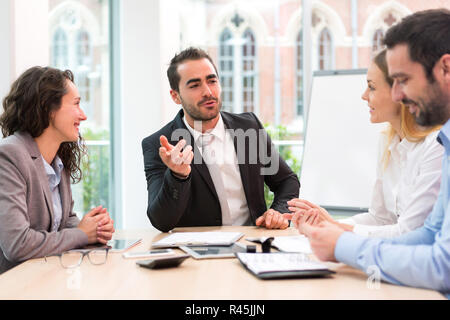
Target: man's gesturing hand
[
  {"x": 272, "y": 219},
  {"x": 175, "y": 158}
]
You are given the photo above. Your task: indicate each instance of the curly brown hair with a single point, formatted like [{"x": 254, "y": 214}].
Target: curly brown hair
[{"x": 27, "y": 108}]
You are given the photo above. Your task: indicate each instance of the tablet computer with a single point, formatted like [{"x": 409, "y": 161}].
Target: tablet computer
[{"x": 213, "y": 252}]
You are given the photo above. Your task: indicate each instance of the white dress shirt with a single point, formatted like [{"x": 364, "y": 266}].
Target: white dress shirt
[
  {"x": 54, "y": 178},
  {"x": 223, "y": 153},
  {"x": 405, "y": 191}
]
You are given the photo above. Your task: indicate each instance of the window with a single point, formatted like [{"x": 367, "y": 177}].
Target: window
[
  {"x": 82, "y": 69},
  {"x": 325, "y": 50},
  {"x": 237, "y": 68},
  {"x": 59, "y": 49},
  {"x": 83, "y": 48},
  {"x": 248, "y": 72},
  {"x": 226, "y": 69},
  {"x": 78, "y": 44},
  {"x": 299, "y": 75}
]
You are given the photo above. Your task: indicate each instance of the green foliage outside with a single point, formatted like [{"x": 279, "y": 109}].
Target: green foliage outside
[
  {"x": 281, "y": 133},
  {"x": 95, "y": 166}
]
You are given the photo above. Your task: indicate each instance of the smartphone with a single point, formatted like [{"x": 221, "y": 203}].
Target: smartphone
[
  {"x": 163, "y": 262},
  {"x": 148, "y": 254}
]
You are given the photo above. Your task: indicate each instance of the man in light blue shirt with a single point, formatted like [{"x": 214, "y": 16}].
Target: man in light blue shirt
[{"x": 418, "y": 58}]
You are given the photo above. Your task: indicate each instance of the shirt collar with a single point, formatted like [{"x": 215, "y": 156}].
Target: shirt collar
[
  {"x": 403, "y": 145},
  {"x": 218, "y": 131},
  {"x": 58, "y": 164},
  {"x": 54, "y": 171},
  {"x": 444, "y": 135},
  {"x": 394, "y": 142}
]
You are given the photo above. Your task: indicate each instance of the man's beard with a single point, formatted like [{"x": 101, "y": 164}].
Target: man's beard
[
  {"x": 196, "y": 114},
  {"x": 434, "y": 111}
]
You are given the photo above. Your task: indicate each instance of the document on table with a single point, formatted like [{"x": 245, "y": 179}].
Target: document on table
[
  {"x": 288, "y": 243},
  {"x": 282, "y": 265},
  {"x": 198, "y": 239}
]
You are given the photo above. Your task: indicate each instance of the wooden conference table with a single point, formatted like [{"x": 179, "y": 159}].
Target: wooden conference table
[{"x": 221, "y": 279}]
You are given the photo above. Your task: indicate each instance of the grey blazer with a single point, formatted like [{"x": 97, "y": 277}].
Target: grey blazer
[{"x": 26, "y": 208}]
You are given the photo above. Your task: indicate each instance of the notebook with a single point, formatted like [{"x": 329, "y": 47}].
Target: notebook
[
  {"x": 198, "y": 239},
  {"x": 281, "y": 265}
]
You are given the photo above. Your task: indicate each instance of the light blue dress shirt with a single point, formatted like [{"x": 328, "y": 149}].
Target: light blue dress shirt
[
  {"x": 420, "y": 258},
  {"x": 54, "y": 178}
]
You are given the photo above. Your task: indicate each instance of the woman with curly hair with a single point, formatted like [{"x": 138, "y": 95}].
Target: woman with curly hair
[{"x": 39, "y": 156}]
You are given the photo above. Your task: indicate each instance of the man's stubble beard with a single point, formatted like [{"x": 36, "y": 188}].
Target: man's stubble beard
[
  {"x": 195, "y": 114},
  {"x": 435, "y": 111}
]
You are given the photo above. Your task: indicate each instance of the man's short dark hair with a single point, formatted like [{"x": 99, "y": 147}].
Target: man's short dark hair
[
  {"x": 185, "y": 55},
  {"x": 427, "y": 35}
]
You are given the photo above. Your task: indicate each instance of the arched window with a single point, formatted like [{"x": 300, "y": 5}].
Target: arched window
[
  {"x": 325, "y": 50},
  {"x": 226, "y": 69},
  {"x": 377, "y": 41},
  {"x": 59, "y": 52},
  {"x": 83, "y": 68},
  {"x": 299, "y": 74},
  {"x": 248, "y": 71},
  {"x": 78, "y": 41},
  {"x": 71, "y": 48},
  {"x": 83, "y": 48}
]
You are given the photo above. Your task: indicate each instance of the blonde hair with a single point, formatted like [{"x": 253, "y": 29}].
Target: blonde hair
[
  {"x": 409, "y": 129},
  {"x": 408, "y": 125}
]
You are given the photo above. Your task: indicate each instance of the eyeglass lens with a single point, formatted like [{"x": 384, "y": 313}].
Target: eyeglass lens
[
  {"x": 71, "y": 259},
  {"x": 97, "y": 256}
]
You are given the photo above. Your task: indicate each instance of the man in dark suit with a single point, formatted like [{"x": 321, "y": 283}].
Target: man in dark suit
[{"x": 207, "y": 167}]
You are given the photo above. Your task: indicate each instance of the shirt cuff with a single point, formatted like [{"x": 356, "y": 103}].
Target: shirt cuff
[
  {"x": 178, "y": 177},
  {"x": 362, "y": 230},
  {"x": 347, "y": 248}
]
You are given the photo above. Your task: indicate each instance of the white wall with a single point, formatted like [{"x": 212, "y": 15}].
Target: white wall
[
  {"x": 141, "y": 102},
  {"x": 24, "y": 39},
  {"x": 5, "y": 52},
  {"x": 186, "y": 17},
  {"x": 170, "y": 27},
  {"x": 30, "y": 34}
]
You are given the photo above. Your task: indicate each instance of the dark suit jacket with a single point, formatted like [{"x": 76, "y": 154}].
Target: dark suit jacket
[
  {"x": 173, "y": 202},
  {"x": 26, "y": 207}
]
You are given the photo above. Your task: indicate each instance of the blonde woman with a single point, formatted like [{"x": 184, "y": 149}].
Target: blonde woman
[{"x": 408, "y": 173}]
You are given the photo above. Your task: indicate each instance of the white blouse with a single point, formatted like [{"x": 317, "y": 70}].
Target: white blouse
[{"x": 404, "y": 192}]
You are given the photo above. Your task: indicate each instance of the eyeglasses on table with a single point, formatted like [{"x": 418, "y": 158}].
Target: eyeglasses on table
[{"x": 73, "y": 258}]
